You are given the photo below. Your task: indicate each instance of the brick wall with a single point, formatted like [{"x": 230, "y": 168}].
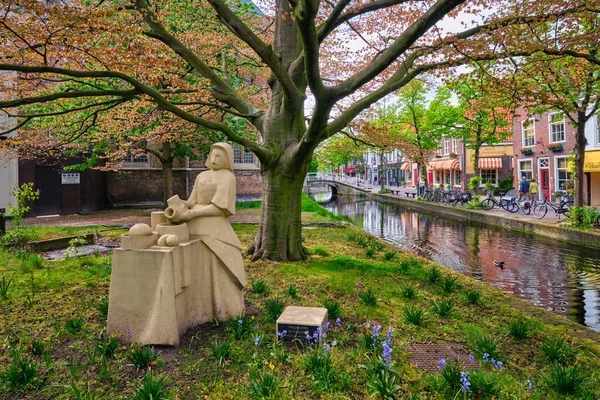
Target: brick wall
[{"x": 144, "y": 186}]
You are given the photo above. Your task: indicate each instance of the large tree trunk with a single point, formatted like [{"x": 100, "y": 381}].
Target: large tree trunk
[
  {"x": 476, "y": 171},
  {"x": 580, "y": 143},
  {"x": 279, "y": 235},
  {"x": 167, "y": 170}
]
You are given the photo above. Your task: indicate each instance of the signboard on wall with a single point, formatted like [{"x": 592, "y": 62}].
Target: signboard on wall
[{"x": 70, "y": 178}]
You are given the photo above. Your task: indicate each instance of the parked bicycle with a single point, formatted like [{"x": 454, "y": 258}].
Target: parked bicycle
[
  {"x": 563, "y": 207},
  {"x": 507, "y": 202}
]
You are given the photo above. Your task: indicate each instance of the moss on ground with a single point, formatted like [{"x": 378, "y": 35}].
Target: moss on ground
[{"x": 44, "y": 296}]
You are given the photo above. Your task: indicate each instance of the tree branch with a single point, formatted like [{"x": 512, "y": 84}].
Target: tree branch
[
  {"x": 264, "y": 51},
  {"x": 333, "y": 21},
  {"x": 220, "y": 89},
  {"x": 400, "y": 45}
]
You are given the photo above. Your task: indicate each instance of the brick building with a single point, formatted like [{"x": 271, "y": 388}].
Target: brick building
[
  {"x": 140, "y": 181},
  {"x": 542, "y": 145}
]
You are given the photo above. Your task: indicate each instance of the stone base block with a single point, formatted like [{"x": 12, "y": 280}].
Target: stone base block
[{"x": 298, "y": 322}]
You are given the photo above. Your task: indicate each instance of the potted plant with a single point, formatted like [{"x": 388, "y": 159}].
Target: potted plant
[
  {"x": 438, "y": 156},
  {"x": 555, "y": 146},
  {"x": 527, "y": 151},
  {"x": 453, "y": 155}
]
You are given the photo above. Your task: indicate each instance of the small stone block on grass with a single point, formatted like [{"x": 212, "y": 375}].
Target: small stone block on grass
[{"x": 299, "y": 322}]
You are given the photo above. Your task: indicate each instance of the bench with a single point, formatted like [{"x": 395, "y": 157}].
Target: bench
[{"x": 409, "y": 193}]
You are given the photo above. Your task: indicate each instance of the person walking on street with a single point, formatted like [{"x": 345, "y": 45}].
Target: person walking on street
[
  {"x": 533, "y": 190},
  {"x": 523, "y": 188}
]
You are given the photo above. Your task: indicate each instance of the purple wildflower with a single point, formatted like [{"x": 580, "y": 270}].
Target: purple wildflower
[
  {"x": 390, "y": 334},
  {"x": 256, "y": 341},
  {"x": 466, "y": 385},
  {"x": 442, "y": 363},
  {"x": 376, "y": 331},
  {"x": 471, "y": 358},
  {"x": 387, "y": 354},
  {"x": 338, "y": 321},
  {"x": 530, "y": 385},
  {"x": 486, "y": 357},
  {"x": 240, "y": 322},
  {"x": 499, "y": 364},
  {"x": 326, "y": 347},
  {"x": 129, "y": 331}
]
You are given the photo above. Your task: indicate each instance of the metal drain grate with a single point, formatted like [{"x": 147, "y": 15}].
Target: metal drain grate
[{"x": 426, "y": 356}]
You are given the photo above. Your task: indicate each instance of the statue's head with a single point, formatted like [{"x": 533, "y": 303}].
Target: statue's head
[{"x": 220, "y": 157}]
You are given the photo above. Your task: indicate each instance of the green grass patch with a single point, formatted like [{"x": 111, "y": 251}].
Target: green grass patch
[{"x": 55, "y": 345}]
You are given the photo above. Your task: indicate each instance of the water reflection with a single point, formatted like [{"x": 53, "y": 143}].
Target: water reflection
[{"x": 561, "y": 277}]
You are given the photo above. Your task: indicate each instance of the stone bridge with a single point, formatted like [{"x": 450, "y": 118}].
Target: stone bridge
[{"x": 342, "y": 186}]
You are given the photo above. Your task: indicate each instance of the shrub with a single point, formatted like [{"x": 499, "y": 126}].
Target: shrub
[
  {"x": 414, "y": 315},
  {"x": 565, "y": 380},
  {"x": 504, "y": 185},
  {"x": 292, "y": 291},
  {"x": 485, "y": 384},
  {"x": 519, "y": 328},
  {"x": 107, "y": 345},
  {"x": 102, "y": 308},
  {"x": 260, "y": 287},
  {"x": 151, "y": 388},
  {"x": 334, "y": 309},
  {"x": 17, "y": 238},
  {"x": 74, "y": 325},
  {"x": 38, "y": 347},
  {"x": 321, "y": 251},
  {"x": 485, "y": 344},
  {"x": 583, "y": 217},
  {"x": 558, "y": 350},
  {"x": 141, "y": 356},
  {"x": 409, "y": 292},
  {"x": 449, "y": 284},
  {"x": 451, "y": 373},
  {"x": 220, "y": 351},
  {"x": 368, "y": 297},
  {"x": 434, "y": 274},
  {"x": 4, "y": 286},
  {"x": 263, "y": 384},
  {"x": 240, "y": 326},
  {"x": 22, "y": 372},
  {"x": 474, "y": 183},
  {"x": 473, "y": 296},
  {"x": 383, "y": 385},
  {"x": 389, "y": 255},
  {"x": 444, "y": 307},
  {"x": 370, "y": 252},
  {"x": 274, "y": 309}
]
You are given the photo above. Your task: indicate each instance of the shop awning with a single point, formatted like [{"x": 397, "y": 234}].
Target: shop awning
[
  {"x": 405, "y": 166},
  {"x": 443, "y": 164},
  {"x": 592, "y": 161},
  {"x": 490, "y": 162}
]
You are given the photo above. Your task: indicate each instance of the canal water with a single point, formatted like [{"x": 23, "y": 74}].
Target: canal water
[{"x": 558, "y": 276}]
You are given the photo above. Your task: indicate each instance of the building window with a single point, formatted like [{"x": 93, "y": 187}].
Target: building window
[
  {"x": 437, "y": 177},
  {"x": 141, "y": 158},
  {"x": 446, "y": 141},
  {"x": 557, "y": 127},
  {"x": 562, "y": 173},
  {"x": 447, "y": 177},
  {"x": 457, "y": 177},
  {"x": 544, "y": 162},
  {"x": 248, "y": 157},
  {"x": 489, "y": 176},
  {"x": 529, "y": 133},
  {"x": 455, "y": 146},
  {"x": 237, "y": 154},
  {"x": 525, "y": 168}
]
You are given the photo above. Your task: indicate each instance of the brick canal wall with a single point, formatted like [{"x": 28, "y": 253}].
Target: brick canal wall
[{"x": 584, "y": 238}]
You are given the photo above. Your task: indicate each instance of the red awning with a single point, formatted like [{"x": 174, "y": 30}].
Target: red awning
[
  {"x": 490, "y": 163},
  {"x": 405, "y": 166},
  {"x": 443, "y": 164},
  {"x": 349, "y": 170}
]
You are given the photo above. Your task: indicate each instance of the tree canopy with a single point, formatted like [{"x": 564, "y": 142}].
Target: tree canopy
[{"x": 299, "y": 72}]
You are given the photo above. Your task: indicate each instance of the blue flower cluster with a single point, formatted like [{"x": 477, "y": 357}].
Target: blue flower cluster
[
  {"x": 496, "y": 363},
  {"x": 464, "y": 380}
]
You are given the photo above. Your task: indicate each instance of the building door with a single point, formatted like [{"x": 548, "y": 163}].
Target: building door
[
  {"x": 544, "y": 183},
  {"x": 47, "y": 182}
]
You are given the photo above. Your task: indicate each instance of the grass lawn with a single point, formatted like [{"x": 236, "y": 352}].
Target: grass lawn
[{"x": 53, "y": 317}]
